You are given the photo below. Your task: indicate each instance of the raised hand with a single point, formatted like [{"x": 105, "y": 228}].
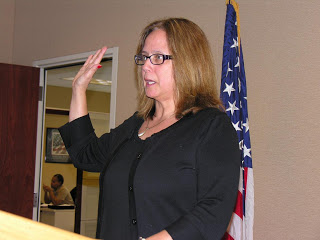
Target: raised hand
[
  {"x": 85, "y": 74},
  {"x": 78, "y": 105},
  {"x": 46, "y": 188}
]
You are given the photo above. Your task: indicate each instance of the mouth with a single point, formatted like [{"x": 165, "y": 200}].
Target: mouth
[{"x": 149, "y": 82}]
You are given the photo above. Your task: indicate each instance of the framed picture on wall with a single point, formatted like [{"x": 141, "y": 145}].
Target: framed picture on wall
[{"x": 55, "y": 150}]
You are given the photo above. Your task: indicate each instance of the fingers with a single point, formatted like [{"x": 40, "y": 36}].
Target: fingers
[
  {"x": 98, "y": 56},
  {"x": 93, "y": 60},
  {"x": 89, "y": 68},
  {"x": 88, "y": 60},
  {"x": 88, "y": 74}
]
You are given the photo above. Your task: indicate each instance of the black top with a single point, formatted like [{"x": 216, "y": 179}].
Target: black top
[{"x": 183, "y": 179}]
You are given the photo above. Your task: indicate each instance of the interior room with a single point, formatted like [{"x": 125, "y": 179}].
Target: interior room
[
  {"x": 58, "y": 94},
  {"x": 281, "y": 55}
]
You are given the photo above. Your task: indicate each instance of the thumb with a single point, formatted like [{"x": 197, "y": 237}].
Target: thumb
[{"x": 91, "y": 71}]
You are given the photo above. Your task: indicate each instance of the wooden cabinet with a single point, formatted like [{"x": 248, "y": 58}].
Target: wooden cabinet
[{"x": 19, "y": 96}]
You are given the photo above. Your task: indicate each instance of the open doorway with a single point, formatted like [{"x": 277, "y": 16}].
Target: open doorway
[{"x": 55, "y": 80}]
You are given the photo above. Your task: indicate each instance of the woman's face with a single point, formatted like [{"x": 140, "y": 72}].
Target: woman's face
[{"x": 158, "y": 79}]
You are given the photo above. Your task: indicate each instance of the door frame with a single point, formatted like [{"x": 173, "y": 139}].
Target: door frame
[{"x": 56, "y": 62}]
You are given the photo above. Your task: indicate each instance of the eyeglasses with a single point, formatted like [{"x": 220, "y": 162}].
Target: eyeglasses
[{"x": 155, "y": 59}]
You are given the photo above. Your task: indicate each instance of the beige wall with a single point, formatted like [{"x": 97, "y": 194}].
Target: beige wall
[
  {"x": 7, "y": 14},
  {"x": 281, "y": 52}
]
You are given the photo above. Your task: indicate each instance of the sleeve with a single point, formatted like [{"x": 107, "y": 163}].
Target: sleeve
[
  {"x": 47, "y": 198},
  {"x": 86, "y": 151},
  {"x": 218, "y": 169}
]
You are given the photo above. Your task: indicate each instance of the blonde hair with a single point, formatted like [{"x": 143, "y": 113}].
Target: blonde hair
[{"x": 193, "y": 67}]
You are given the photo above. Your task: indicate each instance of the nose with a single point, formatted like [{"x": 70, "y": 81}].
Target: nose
[{"x": 147, "y": 66}]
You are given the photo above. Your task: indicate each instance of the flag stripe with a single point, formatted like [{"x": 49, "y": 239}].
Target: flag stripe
[
  {"x": 238, "y": 208},
  {"x": 245, "y": 180},
  {"x": 227, "y": 237},
  {"x": 235, "y": 229}
]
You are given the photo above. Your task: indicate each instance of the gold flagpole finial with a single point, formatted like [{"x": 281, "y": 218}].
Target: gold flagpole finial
[{"x": 236, "y": 8}]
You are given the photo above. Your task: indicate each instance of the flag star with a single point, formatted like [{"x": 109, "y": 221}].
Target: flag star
[
  {"x": 236, "y": 126},
  {"x": 241, "y": 145},
  {"x": 229, "y": 69},
  {"x": 232, "y": 107},
  {"x": 240, "y": 104},
  {"x": 229, "y": 89},
  {"x": 238, "y": 63},
  {"x": 246, "y": 151},
  {"x": 235, "y": 43},
  {"x": 246, "y": 125},
  {"x": 239, "y": 84}
]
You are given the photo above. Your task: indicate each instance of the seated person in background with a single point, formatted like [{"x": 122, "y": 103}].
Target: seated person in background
[{"x": 57, "y": 193}]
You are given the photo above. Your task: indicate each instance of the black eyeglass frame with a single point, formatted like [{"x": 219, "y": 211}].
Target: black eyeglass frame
[{"x": 164, "y": 57}]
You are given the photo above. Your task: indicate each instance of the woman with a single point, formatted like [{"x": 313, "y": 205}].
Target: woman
[
  {"x": 57, "y": 194},
  {"x": 171, "y": 170}
]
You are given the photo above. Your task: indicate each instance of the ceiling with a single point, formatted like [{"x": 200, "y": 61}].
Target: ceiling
[{"x": 63, "y": 76}]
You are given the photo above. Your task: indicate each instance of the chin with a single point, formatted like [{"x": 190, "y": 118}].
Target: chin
[{"x": 150, "y": 95}]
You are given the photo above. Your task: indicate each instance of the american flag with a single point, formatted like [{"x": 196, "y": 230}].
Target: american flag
[{"x": 234, "y": 96}]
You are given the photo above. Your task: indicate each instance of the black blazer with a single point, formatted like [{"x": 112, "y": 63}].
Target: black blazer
[{"x": 183, "y": 179}]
